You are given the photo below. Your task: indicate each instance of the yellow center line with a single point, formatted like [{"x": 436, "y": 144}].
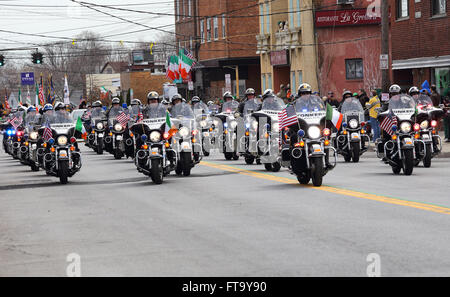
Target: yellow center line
[{"x": 344, "y": 192}]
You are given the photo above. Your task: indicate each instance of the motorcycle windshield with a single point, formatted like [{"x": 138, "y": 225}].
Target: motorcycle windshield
[
  {"x": 200, "y": 108},
  {"x": 403, "y": 106},
  {"x": 272, "y": 103},
  {"x": 31, "y": 119},
  {"x": 97, "y": 112},
  {"x": 60, "y": 117},
  {"x": 181, "y": 110},
  {"x": 230, "y": 106},
  {"x": 251, "y": 106},
  {"x": 310, "y": 108},
  {"x": 423, "y": 101},
  {"x": 352, "y": 105},
  {"x": 155, "y": 112},
  {"x": 134, "y": 111},
  {"x": 115, "y": 111}
]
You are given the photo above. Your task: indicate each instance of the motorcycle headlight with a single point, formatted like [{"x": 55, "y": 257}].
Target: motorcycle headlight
[
  {"x": 216, "y": 123},
  {"x": 117, "y": 127},
  {"x": 99, "y": 126},
  {"x": 203, "y": 124},
  {"x": 34, "y": 135},
  {"x": 62, "y": 140},
  {"x": 405, "y": 127},
  {"x": 353, "y": 123},
  {"x": 275, "y": 127},
  {"x": 314, "y": 132},
  {"x": 424, "y": 125},
  {"x": 254, "y": 125},
  {"x": 155, "y": 136},
  {"x": 184, "y": 132},
  {"x": 233, "y": 125}
]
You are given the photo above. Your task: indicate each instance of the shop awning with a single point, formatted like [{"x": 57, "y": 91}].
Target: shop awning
[{"x": 426, "y": 62}]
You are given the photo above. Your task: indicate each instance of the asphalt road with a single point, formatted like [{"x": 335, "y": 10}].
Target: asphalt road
[{"x": 226, "y": 219}]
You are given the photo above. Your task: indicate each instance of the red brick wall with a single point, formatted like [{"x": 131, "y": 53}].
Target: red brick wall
[
  {"x": 419, "y": 37},
  {"x": 142, "y": 83},
  {"x": 240, "y": 32},
  {"x": 348, "y": 42},
  {"x": 184, "y": 26}
]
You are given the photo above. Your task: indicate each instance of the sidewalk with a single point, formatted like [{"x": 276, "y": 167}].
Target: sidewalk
[{"x": 445, "y": 147}]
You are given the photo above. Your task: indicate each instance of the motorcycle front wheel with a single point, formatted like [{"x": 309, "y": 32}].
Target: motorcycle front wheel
[
  {"x": 408, "y": 162},
  {"x": 63, "y": 171},
  {"x": 156, "y": 173},
  {"x": 427, "y": 158},
  {"x": 317, "y": 171},
  {"x": 355, "y": 151}
]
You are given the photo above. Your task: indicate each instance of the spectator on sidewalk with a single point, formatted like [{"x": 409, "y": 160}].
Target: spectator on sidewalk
[
  {"x": 435, "y": 97},
  {"x": 332, "y": 100},
  {"x": 372, "y": 105}
]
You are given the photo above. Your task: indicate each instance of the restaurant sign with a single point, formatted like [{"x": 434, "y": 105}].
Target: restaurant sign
[
  {"x": 347, "y": 17},
  {"x": 279, "y": 58}
]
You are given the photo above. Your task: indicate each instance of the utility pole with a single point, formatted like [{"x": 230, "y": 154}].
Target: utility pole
[
  {"x": 385, "y": 82},
  {"x": 237, "y": 81}
]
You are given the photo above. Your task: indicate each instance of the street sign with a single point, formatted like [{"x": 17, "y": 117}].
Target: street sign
[
  {"x": 27, "y": 78},
  {"x": 384, "y": 62},
  {"x": 190, "y": 85},
  {"x": 384, "y": 97},
  {"x": 228, "y": 82}
]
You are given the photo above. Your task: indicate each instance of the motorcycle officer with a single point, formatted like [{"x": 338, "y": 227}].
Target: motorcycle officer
[{"x": 249, "y": 95}]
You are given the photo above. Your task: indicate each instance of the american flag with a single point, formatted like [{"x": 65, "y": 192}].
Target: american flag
[
  {"x": 140, "y": 117},
  {"x": 389, "y": 121},
  {"x": 287, "y": 117},
  {"x": 190, "y": 56},
  {"x": 47, "y": 132},
  {"x": 123, "y": 119},
  {"x": 16, "y": 122}
]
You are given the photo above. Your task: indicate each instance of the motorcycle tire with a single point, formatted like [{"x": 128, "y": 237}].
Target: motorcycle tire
[
  {"x": 268, "y": 166},
  {"x": 258, "y": 161},
  {"x": 303, "y": 178},
  {"x": 348, "y": 158},
  {"x": 276, "y": 167},
  {"x": 355, "y": 152},
  {"x": 117, "y": 154},
  {"x": 179, "y": 168},
  {"x": 228, "y": 156},
  {"x": 157, "y": 173},
  {"x": 34, "y": 167},
  {"x": 100, "y": 146},
  {"x": 427, "y": 158},
  {"x": 205, "y": 153},
  {"x": 396, "y": 169},
  {"x": 186, "y": 160},
  {"x": 249, "y": 160},
  {"x": 317, "y": 172},
  {"x": 235, "y": 156},
  {"x": 408, "y": 162},
  {"x": 63, "y": 171}
]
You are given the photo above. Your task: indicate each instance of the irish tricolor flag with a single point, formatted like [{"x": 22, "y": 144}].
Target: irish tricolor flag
[
  {"x": 334, "y": 116},
  {"x": 170, "y": 129}
]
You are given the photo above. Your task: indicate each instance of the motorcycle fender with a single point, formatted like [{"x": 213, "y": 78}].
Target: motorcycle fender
[
  {"x": 186, "y": 146},
  {"x": 426, "y": 137},
  {"x": 100, "y": 135},
  {"x": 119, "y": 137},
  {"x": 355, "y": 137},
  {"x": 63, "y": 155},
  {"x": 154, "y": 153},
  {"x": 316, "y": 150},
  {"x": 34, "y": 146},
  {"x": 407, "y": 142}
]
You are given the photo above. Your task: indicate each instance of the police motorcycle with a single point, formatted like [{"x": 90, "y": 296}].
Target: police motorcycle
[
  {"x": 427, "y": 142},
  {"x": 249, "y": 141},
  {"x": 204, "y": 123},
  {"x": 186, "y": 142},
  {"x": 17, "y": 132},
  {"x": 226, "y": 122},
  {"x": 135, "y": 111},
  {"x": 352, "y": 140},
  {"x": 98, "y": 123},
  {"x": 154, "y": 156},
  {"x": 306, "y": 146},
  {"x": 269, "y": 131},
  {"x": 398, "y": 150},
  {"x": 114, "y": 140},
  {"x": 62, "y": 157},
  {"x": 28, "y": 149},
  {"x": 9, "y": 133}
]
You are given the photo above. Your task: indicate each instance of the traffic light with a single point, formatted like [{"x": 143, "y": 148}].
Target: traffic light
[
  {"x": 2, "y": 60},
  {"x": 37, "y": 58}
]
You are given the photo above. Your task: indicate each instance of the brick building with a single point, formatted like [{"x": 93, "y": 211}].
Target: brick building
[
  {"x": 221, "y": 35},
  {"x": 348, "y": 46},
  {"x": 285, "y": 43},
  {"x": 420, "y": 46}
]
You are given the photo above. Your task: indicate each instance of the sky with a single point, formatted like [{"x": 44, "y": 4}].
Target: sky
[{"x": 65, "y": 19}]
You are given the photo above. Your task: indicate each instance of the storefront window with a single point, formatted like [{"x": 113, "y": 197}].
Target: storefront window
[
  {"x": 438, "y": 6},
  {"x": 354, "y": 69},
  {"x": 442, "y": 79},
  {"x": 402, "y": 9}
]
